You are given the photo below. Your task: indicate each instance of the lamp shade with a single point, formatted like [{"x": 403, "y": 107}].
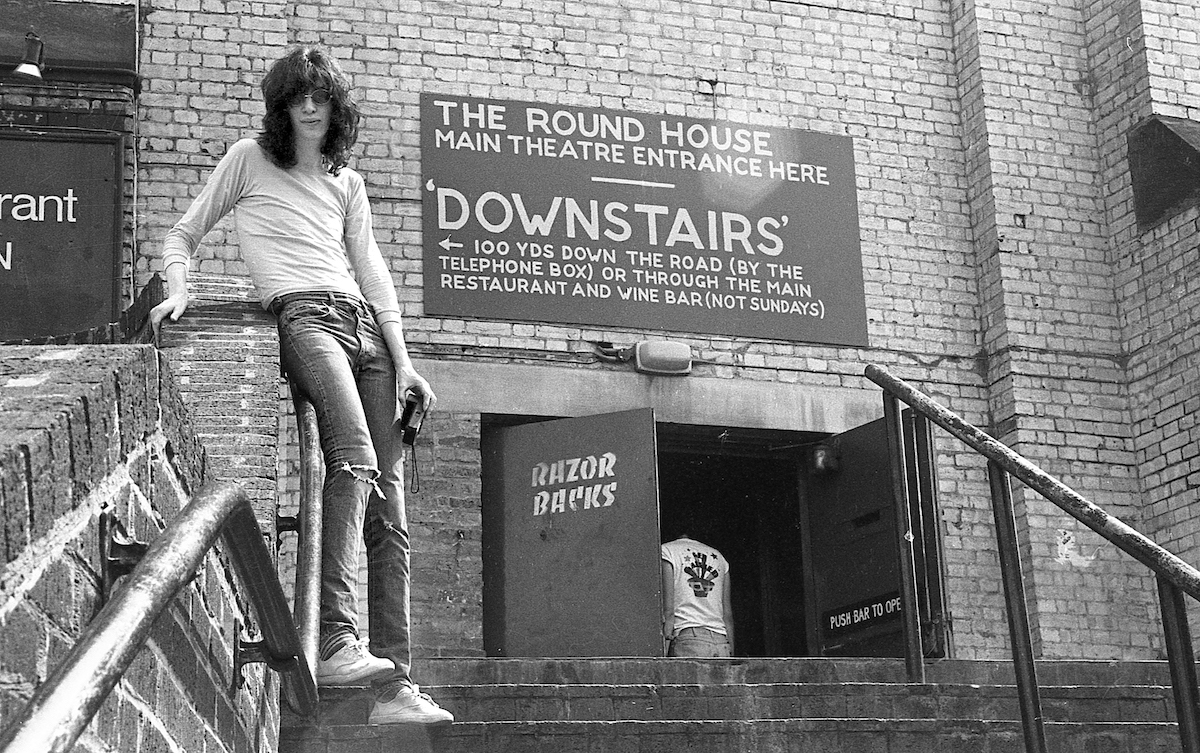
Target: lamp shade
[{"x": 30, "y": 66}]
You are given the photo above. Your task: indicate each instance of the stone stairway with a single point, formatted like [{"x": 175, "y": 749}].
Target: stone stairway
[{"x": 753, "y": 706}]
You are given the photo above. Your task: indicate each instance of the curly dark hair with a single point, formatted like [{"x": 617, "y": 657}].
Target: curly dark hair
[{"x": 300, "y": 71}]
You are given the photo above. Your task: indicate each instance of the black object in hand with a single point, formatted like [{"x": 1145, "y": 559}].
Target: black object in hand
[{"x": 410, "y": 421}]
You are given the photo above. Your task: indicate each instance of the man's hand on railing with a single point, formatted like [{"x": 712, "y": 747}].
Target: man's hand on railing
[
  {"x": 176, "y": 301},
  {"x": 172, "y": 308}
]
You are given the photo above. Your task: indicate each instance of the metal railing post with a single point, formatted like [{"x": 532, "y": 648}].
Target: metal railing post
[
  {"x": 1182, "y": 663},
  {"x": 914, "y": 653},
  {"x": 1018, "y": 616},
  {"x": 935, "y": 593}
]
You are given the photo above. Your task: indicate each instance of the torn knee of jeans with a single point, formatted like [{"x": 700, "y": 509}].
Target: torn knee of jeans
[
  {"x": 378, "y": 529},
  {"x": 397, "y": 530},
  {"x": 364, "y": 473}
]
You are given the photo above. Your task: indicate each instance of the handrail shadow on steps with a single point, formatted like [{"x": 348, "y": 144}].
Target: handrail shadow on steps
[
  {"x": 1174, "y": 576},
  {"x": 65, "y": 703}
]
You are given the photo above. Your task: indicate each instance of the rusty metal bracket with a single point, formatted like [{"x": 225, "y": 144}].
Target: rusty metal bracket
[
  {"x": 120, "y": 553},
  {"x": 287, "y": 523},
  {"x": 253, "y": 652}
]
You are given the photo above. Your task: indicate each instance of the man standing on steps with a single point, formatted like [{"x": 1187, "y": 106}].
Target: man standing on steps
[
  {"x": 697, "y": 616},
  {"x": 305, "y": 233}
]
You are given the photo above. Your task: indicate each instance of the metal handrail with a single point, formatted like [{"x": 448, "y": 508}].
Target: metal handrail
[
  {"x": 308, "y": 527},
  {"x": 1125, "y": 538},
  {"x": 1175, "y": 577},
  {"x": 65, "y": 703}
]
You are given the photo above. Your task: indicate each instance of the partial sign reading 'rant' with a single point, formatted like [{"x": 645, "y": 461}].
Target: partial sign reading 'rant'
[{"x": 60, "y": 232}]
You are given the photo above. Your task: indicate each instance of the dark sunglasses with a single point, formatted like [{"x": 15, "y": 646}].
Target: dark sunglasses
[{"x": 318, "y": 96}]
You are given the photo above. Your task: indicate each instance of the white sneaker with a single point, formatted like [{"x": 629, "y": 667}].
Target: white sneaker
[
  {"x": 352, "y": 663},
  {"x": 410, "y": 706}
]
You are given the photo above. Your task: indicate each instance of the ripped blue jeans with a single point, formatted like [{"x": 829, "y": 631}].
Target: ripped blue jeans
[{"x": 332, "y": 349}]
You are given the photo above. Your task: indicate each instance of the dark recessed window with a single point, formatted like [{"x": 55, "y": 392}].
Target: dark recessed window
[{"x": 1164, "y": 161}]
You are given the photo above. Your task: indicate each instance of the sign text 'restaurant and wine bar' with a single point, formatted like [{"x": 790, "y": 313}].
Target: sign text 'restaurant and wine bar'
[{"x": 598, "y": 217}]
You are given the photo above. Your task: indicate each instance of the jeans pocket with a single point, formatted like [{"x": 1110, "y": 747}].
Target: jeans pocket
[{"x": 298, "y": 311}]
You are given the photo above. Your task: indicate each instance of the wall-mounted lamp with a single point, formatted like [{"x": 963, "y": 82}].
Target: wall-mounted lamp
[
  {"x": 662, "y": 358},
  {"x": 659, "y": 357},
  {"x": 824, "y": 457},
  {"x": 30, "y": 67}
]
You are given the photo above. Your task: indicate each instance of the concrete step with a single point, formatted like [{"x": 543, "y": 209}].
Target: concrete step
[
  {"x": 644, "y": 702},
  {"x": 761, "y": 736},
  {"x": 627, "y": 705},
  {"x": 621, "y": 671}
]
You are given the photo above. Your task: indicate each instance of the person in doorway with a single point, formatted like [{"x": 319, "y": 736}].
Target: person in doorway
[
  {"x": 697, "y": 615},
  {"x": 305, "y": 232}
]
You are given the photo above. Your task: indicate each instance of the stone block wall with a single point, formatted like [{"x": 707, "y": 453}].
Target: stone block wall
[{"x": 88, "y": 430}]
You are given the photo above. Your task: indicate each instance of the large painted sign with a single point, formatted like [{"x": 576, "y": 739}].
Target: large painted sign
[
  {"x": 578, "y": 215},
  {"x": 60, "y": 208}
]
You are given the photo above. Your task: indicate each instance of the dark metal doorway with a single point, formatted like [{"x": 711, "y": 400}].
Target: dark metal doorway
[{"x": 805, "y": 519}]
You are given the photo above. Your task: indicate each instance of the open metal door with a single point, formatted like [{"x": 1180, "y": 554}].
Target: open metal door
[
  {"x": 855, "y": 565},
  {"x": 571, "y": 538}
]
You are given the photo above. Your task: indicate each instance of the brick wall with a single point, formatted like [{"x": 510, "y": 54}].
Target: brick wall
[
  {"x": 1002, "y": 269},
  {"x": 1148, "y": 48},
  {"x": 1168, "y": 36},
  {"x": 201, "y": 67},
  {"x": 91, "y": 429},
  {"x": 225, "y": 355},
  {"x": 1164, "y": 384}
]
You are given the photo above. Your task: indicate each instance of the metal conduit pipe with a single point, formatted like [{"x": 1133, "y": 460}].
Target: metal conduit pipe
[
  {"x": 1127, "y": 539},
  {"x": 65, "y": 703}
]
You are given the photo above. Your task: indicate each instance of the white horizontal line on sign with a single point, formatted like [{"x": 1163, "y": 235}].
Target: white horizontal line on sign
[{"x": 649, "y": 183}]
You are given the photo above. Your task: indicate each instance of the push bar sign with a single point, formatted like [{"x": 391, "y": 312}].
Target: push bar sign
[{"x": 601, "y": 217}]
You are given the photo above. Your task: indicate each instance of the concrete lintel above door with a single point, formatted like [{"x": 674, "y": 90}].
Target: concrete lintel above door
[{"x": 522, "y": 389}]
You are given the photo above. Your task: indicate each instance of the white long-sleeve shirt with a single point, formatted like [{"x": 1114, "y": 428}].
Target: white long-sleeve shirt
[{"x": 298, "y": 231}]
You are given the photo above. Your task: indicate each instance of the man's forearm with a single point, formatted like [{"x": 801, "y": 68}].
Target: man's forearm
[
  {"x": 177, "y": 274},
  {"x": 393, "y": 335}
]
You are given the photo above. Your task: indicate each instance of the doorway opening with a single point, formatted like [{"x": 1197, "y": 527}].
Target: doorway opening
[{"x": 738, "y": 490}]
